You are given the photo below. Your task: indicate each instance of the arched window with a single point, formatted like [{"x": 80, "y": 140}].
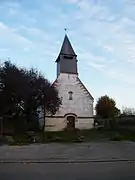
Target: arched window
[{"x": 70, "y": 95}]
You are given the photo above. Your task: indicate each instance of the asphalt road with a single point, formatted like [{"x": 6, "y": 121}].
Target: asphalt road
[
  {"x": 66, "y": 171},
  {"x": 79, "y": 151}
]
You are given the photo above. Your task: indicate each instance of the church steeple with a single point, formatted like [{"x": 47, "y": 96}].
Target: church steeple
[
  {"x": 67, "y": 59},
  {"x": 67, "y": 47}
]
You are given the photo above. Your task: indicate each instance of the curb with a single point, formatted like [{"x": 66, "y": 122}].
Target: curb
[{"x": 28, "y": 161}]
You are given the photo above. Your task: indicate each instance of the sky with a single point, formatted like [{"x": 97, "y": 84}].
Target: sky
[{"x": 102, "y": 33}]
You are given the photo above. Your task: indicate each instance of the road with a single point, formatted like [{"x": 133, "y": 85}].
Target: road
[
  {"x": 80, "y": 151},
  {"x": 68, "y": 171}
]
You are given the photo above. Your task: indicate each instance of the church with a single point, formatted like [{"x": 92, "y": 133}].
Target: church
[{"x": 76, "y": 110}]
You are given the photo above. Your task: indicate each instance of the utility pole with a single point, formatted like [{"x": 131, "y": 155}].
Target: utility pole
[
  {"x": 44, "y": 115},
  {"x": 1, "y": 126}
]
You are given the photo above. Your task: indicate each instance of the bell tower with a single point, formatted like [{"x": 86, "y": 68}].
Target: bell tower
[{"x": 67, "y": 59}]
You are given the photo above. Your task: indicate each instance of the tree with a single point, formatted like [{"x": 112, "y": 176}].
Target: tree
[
  {"x": 126, "y": 111},
  {"x": 105, "y": 107},
  {"x": 23, "y": 91},
  {"x": 40, "y": 94},
  {"x": 11, "y": 88},
  {"x": 11, "y": 91},
  {"x": 117, "y": 112}
]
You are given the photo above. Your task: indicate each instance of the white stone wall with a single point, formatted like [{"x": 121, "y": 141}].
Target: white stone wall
[
  {"x": 55, "y": 124},
  {"x": 59, "y": 124},
  {"x": 81, "y": 105},
  {"x": 83, "y": 123}
]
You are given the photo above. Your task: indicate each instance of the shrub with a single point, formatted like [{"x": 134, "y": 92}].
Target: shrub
[{"x": 116, "y": 137}]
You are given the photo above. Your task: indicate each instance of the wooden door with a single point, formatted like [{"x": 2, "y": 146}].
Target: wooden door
[{"x": 70, "y": 122}]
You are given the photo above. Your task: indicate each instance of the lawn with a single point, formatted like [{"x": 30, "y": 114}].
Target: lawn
[{"x": 74, "y": 136}]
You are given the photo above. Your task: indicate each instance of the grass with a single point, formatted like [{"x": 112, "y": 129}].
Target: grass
[
  {"x": 21, "y": 139},
  {"x": 65, "y": 137},
  {"x": 61, "y": 136},
  {"x": 75, "y": 136}
]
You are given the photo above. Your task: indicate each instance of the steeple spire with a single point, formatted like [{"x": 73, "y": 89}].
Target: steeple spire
[{"x": 67, "y": 48}]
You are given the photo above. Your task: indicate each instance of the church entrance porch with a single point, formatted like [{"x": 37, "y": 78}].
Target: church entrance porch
[{"x": 70, "y": 122}]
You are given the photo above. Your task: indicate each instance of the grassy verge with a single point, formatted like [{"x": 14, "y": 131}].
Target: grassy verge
[
  {"x": 74, "y": 136},
  {"x": 66, "y": 137}
]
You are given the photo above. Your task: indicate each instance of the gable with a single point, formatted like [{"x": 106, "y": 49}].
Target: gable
[
  {"x": 82, "y": 101},
  {"x": 54, "y": 84},
  {"x": 81, "y": 84}
]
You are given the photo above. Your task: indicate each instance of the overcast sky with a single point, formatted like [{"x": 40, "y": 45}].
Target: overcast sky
[{"x": 102, "y": 33}]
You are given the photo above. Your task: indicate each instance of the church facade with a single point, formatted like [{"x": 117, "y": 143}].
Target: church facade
[{"x": 76, "y": 110}]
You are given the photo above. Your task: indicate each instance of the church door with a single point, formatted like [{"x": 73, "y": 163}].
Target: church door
[{"x": 70, "y": 122}]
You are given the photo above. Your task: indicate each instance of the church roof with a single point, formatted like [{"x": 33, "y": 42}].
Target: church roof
[{"x": 67, "y": 48}]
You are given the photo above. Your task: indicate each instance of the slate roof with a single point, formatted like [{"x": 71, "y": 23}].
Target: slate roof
[{"x": 66, "y": 48}]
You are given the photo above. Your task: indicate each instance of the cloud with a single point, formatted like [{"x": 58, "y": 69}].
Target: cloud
[
  {"x": 97, "y": 66},
  {"x": 26, "y": 49},
  {"x": 115, "y": 35},
  {"x": 102, "y": 32},
  {"x": 108, "y": 48},
  {"x": 15, "y": 10},
  {"x": 31, "y": 30},
  {"x": 12, "y": 43},
  {"x": 3, "y": 50},
  {"x": 9, "y": 34},
  {"x": 73, "y": 1},
  {"x": 106, "y": 67}
]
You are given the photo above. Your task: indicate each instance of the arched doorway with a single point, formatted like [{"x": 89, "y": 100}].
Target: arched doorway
[{"x": 70, "y": 122}]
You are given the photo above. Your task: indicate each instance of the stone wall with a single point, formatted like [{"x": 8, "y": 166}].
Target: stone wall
[{"x": 81, "y": 105}]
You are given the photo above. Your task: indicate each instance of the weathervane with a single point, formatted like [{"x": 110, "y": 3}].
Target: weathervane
[{"x": 65, "y": 30}]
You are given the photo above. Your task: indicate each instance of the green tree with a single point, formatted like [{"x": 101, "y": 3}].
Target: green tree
[
  {"x": 105, "y": 107},
  {"x": 22, "y": 92}
]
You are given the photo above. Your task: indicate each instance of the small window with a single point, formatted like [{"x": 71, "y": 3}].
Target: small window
[
  {"x": 68, "y": 57},
  {"x": 70, "y": 95}
]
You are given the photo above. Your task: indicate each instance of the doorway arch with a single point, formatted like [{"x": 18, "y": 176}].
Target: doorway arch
[{"x": 70, "y": 119}]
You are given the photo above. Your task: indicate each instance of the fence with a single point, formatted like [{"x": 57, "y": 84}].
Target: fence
[{"x": 127, "y": 122}]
